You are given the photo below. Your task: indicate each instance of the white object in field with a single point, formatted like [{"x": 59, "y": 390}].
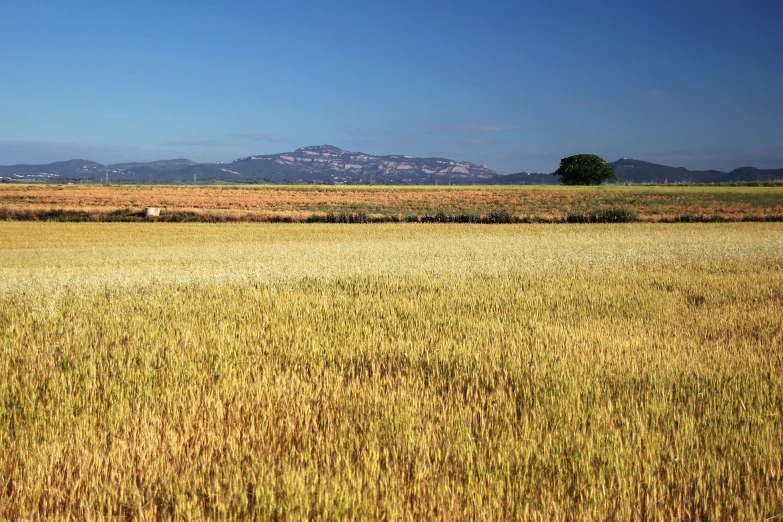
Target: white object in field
[{"x": 151, "y": 212}]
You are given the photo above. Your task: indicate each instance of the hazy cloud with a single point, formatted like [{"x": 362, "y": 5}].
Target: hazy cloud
[
  {"x": 189, "y": 143},
  {"x": 654, "y": 92},
  {"x": 467, "y": 128},
  {"x": 384, "y": 142},
  {"x": 271, "y": 138},
  {"x": 480, "y": 127},
  {"x": 417, "y": 127},
  {"x": 38, "y": 152},
  {"x": 373, "y": 131}
]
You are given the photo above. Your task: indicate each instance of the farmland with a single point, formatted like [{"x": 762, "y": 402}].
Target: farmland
[
  {"x": 628, "y": 371},
  {"x": 310, "y": 203}
]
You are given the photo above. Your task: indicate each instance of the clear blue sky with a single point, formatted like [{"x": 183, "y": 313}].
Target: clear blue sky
[{"x": 509, "y": 84}]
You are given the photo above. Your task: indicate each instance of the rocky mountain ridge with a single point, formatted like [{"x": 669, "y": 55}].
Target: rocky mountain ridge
[
  {"x": 326, "y": 164},
  {"x": 332, "y": 164}
]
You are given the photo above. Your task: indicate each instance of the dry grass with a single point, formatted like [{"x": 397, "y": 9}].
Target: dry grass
[
  {"x": 452, "y": 372},
  {"x": 300, "y": 203}
]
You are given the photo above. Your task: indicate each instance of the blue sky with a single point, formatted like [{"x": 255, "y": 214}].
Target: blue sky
[{"x": 510, "y": 84}]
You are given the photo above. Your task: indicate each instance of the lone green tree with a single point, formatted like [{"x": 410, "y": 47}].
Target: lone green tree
[{"x": 584, "y": 169}]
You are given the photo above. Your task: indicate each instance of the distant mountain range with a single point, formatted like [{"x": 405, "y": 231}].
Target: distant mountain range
[
  {"x": 332, "y": 165},
  {"x": 636, "y": 171}
]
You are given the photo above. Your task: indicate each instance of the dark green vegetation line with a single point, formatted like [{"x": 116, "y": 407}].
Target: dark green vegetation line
[{"x": 612, "y": 215}]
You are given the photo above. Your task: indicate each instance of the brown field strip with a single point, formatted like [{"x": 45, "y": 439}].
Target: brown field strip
[{"x": 301, "y": 203}]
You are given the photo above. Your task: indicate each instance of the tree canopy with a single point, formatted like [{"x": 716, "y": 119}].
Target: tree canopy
[{"x": 584, "y": 169}]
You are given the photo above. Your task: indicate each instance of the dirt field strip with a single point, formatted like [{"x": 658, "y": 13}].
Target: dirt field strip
[{"x": 263, "y": 203}]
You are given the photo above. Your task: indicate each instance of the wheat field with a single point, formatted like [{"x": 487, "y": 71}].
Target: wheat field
[{"x": 398, "y": 372}]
